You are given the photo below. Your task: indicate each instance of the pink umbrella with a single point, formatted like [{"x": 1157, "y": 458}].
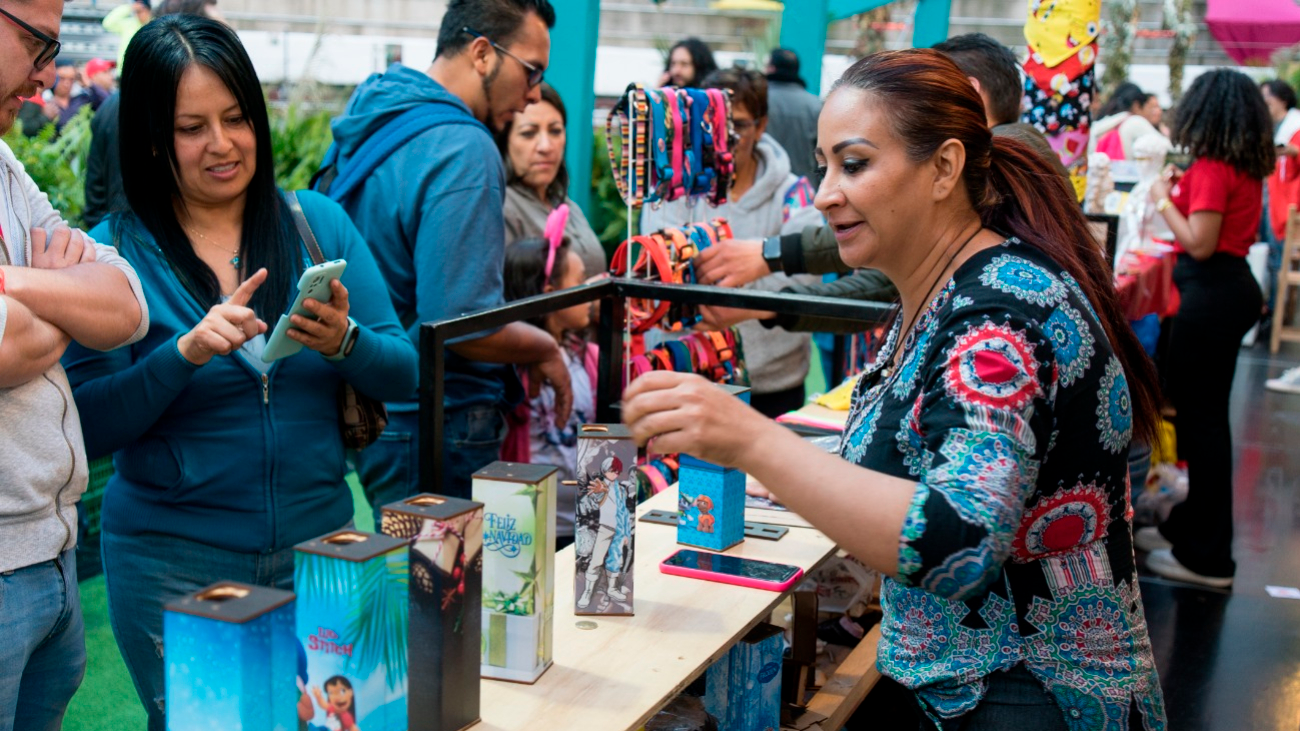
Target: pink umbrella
[{"x": 1251, "y": 30}]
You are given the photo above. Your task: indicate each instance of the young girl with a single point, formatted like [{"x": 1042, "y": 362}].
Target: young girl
[
  {"x": 535, "y": 266},
  {"x": 341, "y": 706}
]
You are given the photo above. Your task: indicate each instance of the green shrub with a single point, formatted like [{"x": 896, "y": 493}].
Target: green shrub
[
  {"x": 57, "y": 164},
  {"x": 299, "y": 141}
]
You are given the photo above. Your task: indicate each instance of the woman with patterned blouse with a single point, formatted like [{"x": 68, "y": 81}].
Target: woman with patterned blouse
[{"x": 984, "y": 464}]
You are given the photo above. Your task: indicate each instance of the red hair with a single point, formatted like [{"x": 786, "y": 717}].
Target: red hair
[{"x": 929, "y": 101}]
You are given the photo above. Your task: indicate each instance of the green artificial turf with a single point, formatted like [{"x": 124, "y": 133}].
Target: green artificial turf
[{"x": 107, "y": 698}]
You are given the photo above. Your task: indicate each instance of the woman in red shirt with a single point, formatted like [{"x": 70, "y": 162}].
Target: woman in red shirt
[
  {"x": 1214, "y": 211},
  {"x": 1284, "y": 183}
]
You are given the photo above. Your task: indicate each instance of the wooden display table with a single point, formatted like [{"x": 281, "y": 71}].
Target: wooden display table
[{"x": 619, "y": 674}]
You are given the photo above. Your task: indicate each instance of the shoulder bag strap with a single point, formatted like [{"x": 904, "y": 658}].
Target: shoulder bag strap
[{"x": 304, "y": 228}]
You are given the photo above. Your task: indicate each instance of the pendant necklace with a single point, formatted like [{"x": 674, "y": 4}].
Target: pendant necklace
[
  {"x": 234, "y": 262},
  {"x": 925, "y": 304}
]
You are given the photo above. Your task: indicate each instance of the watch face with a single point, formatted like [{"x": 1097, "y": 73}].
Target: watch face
[{"x": 772, "y": 251}]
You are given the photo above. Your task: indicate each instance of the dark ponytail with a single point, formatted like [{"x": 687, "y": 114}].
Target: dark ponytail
[
  {"x": 1015, "y": 191},
  {"x": 1038, "y": 207}
]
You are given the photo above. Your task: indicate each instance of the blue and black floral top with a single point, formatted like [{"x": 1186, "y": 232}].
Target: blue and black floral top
[{"x": 1011, "y": 412}]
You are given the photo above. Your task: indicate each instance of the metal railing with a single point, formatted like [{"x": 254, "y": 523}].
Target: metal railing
[{"x": 612, "y": 294}]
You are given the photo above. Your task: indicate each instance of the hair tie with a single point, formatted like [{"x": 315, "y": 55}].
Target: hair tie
[{"x": 554, "y": 235}]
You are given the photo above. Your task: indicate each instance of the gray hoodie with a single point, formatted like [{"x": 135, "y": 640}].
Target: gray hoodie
[
  {"x": 777, "y": 360},
  {"x": 43, "y": 462}
]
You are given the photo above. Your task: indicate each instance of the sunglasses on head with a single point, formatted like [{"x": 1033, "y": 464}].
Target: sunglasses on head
[
  {"x": 535, "y": 73},
  {"x": 50, "y": 47}
]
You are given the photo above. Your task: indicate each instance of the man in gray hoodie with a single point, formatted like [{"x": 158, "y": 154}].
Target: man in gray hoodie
[
  {"x": 432, "y": 212},
  {"x": 56, "y": 286}
]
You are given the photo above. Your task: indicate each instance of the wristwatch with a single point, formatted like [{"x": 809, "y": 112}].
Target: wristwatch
[
  {"x": 349, "y": 341},
  {"x": 1162, "y": 204},
  {"x": 772, "y": 253}
]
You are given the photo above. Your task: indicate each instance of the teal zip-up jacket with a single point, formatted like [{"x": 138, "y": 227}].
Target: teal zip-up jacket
[{"x": 218, "y": 453}]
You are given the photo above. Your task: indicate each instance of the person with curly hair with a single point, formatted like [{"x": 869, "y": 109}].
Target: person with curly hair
[{"x": 1214, "y": 210}]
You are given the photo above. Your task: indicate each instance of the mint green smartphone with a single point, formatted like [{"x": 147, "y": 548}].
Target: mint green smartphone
[{"x": 314, "y": 283}]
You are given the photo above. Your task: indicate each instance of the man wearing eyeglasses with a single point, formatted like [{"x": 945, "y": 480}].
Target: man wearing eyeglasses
[
  {"x": 56, "y": 286},
  {"x": 431, "y": 209}
]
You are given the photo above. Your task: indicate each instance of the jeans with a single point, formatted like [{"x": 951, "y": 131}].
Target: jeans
[
  {"x": 1220, "y": 302},
  {"x": 1014, "y": 700},
  {"x": 389, "y": 469},
  {"x": 42, "y": 644},
  {"x": 145, "y": 572}
]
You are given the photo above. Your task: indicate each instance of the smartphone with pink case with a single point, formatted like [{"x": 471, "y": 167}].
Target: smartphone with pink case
[{"x": 731, "y": 570}]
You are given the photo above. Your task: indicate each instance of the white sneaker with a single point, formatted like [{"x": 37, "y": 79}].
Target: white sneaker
[
  {"x": 585, "y": 599},
  {"x": 1161, "y": 561},
  {"x": 1288, "y": 382},
  {"x": 616, "y": 595},
  {"x": 1149, "y": 539}
]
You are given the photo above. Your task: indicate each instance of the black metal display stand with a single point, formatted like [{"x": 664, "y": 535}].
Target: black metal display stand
[{"x": 612, "y": 294}]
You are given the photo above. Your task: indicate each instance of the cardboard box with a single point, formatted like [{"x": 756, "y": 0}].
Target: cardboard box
[
  {"x": 445, "y": 536},
  {"x": 605, "y": 520},
  {"x": 352, "y": 623},
  {"x": 743, "y": 688},
  {"x": 231, "y": 659},
  {"x": 711, "y": 505},
  {"x": 518, "y": 568}
]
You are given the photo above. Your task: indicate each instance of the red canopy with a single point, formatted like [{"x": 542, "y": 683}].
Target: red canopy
[{"x": 1251, "y": 30}]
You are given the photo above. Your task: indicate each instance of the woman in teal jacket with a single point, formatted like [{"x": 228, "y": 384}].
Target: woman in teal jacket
[{"x": 223, "y": 462}]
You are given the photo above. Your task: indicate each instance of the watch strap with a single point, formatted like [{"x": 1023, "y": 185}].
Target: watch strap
[
  {"x": 772, "y": 253},
  {"x": 349, "y": 341}
]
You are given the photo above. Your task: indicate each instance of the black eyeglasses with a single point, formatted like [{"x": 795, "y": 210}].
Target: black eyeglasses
[
  {"x": 535, "y": 73},
  {"x": 50, "y": 47}
]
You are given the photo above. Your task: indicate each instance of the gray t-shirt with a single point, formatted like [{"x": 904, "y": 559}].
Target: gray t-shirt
[{"x": 525, "y": 217}]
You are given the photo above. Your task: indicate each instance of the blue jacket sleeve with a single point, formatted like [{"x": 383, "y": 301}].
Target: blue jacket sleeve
[
  {"x": 384, "y": 364},
  {"x": 120, "y": 397},
  {"x": 460, "y": 242}
]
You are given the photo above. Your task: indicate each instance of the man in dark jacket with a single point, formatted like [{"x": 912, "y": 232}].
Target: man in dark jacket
[
  {"x": 792, "y": 111},
  {"x": 104, "y": 191}
]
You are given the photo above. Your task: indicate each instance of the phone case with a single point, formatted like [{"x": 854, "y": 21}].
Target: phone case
[
  {"x": 691, "y": 573},
  {"x": 314, "y": 283}
]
